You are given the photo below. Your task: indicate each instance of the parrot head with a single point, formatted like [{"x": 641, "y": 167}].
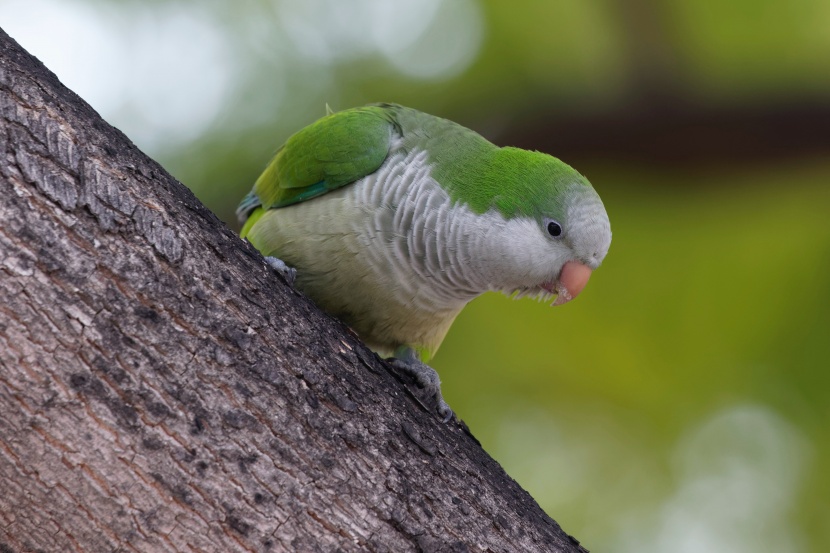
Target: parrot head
[{"x": 554, "y": 234}]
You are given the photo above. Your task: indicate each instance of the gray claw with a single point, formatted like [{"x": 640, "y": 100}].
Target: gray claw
[
  {"x": 288, "y": 273},
  {"x": 425, "y": 376}
]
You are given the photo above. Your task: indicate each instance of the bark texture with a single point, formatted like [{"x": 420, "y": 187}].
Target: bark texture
[{"x": 162, "y": 390}]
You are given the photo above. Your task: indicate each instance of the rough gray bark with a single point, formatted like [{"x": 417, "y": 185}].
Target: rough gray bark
[{"x": 162, "y": 390}]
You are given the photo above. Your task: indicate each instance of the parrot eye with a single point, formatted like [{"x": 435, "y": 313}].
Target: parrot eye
[{"x": 554, "y": 228}]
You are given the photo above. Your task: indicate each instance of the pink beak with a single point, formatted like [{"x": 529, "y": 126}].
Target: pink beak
[{"x": 572, "y": 280}]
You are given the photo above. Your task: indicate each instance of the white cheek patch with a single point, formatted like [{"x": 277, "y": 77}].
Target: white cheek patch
[{"x": 491, "y": 253}]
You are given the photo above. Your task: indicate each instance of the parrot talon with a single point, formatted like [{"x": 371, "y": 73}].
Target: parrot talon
[
  {"x": 288, "y": 273},
  {"x": 425, "y": 376}
]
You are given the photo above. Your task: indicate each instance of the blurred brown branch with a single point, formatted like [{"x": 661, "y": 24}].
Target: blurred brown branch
[{"x": 659, "y": 128}]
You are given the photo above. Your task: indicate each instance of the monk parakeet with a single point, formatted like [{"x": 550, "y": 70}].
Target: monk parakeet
[{"x": 395, "y": 219}]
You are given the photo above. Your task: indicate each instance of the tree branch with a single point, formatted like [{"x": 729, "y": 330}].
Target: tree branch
[
  {"x": 660, "y": 129},
  {"x": 162, "y": 390}
]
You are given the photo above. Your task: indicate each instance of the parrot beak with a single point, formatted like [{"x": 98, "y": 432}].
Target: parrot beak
[{"x": 571, "y": 281}]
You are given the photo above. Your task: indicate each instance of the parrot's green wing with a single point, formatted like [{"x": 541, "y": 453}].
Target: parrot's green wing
[{"x": 332, "y": 152}]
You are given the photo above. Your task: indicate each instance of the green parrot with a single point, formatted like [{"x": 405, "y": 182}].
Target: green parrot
[{"x": 393, "y": 220}]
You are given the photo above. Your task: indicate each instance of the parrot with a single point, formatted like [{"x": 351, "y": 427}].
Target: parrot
[{"x": 392, "y": 220}]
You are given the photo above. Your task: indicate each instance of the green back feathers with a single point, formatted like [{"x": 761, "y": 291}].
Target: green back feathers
[
  {"x": 330, "y": 153},
  {"x": 346, "y": 146},
  {"x": 336, "y": 150}
]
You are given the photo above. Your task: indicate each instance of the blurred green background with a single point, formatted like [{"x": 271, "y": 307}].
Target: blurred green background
[{"x": 681, "y": 404}]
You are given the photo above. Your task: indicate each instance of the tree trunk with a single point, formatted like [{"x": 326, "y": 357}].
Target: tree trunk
[{"x": 162, "y": 390}]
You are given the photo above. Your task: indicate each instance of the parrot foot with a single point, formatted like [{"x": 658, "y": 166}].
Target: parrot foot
[
  {"x": 406, "y": 360},
  {"x": 288, "y": 273}
]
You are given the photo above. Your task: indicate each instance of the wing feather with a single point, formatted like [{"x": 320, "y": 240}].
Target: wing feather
[{"x": 332, "y": 152}]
